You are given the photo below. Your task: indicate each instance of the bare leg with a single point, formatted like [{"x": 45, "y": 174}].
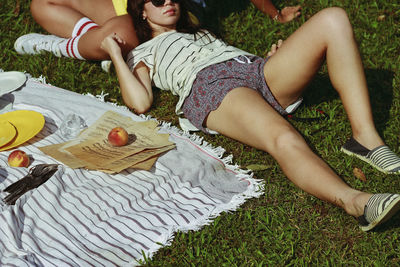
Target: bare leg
[
  {"x": 59, "y": 17},
  {"x": 327, "y": 35},
  {"x": 89, "y": 44},
  {"x": 263, "y": 128}
]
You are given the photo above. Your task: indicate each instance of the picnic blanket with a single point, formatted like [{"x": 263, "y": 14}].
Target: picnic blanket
[{"x": 89, "y": 218}]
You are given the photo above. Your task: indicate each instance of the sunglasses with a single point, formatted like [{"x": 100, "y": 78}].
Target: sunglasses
[{"x": 158, "y": 3}]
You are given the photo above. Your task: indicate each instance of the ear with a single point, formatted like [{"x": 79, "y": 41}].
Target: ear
[{"x": 144, "y": 15}]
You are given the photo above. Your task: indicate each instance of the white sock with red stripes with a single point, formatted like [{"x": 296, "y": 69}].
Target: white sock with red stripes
[
  {"x": 69, "y": 47},
  {"x": 82, "y": 26}
]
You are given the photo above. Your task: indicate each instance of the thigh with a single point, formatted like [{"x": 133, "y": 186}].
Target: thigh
[
  {"x": 60, "y": 16},
  {"x": 295, "y": 63},
  {"x": 245, "y": 116},
  {"x": 97, "y": 10},
  {"x": 100, "y": 11}
]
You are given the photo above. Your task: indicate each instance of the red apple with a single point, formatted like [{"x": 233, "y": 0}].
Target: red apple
[
  {"x": 118, "y": 136},
  {"x": 18, "y": 158}
]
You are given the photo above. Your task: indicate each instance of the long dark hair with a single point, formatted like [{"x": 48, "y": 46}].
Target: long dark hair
[{"x": 143, "y": 29}]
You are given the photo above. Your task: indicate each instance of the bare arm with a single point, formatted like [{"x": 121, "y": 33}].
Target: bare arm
[
  {"x": 285, "y": 15},
  {"x": 135, "y": 87}
]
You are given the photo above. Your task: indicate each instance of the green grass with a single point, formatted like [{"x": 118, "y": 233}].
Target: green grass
[{"x": 285, "y": 226}]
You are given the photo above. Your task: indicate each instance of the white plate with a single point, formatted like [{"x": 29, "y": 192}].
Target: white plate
[{"x": 10, "y": 81}]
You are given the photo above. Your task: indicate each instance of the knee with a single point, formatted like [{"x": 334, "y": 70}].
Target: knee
[
  {"x": 287, "y": 140},
  {"x": 123, "y": 26},
  {"x": 335, "y": 19}
]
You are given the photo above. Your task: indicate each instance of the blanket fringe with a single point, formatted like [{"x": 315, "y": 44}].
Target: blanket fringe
[
  {"x": 255, "y": 189},
  {"x": 41, "y": 78}
]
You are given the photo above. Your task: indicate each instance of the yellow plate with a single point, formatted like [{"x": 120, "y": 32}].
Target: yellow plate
[
  {"x": 28, "y": 123},
  {"x": 7, "y": 132}
]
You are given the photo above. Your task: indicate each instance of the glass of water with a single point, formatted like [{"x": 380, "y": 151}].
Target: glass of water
[{"x": 72, "y": 125}]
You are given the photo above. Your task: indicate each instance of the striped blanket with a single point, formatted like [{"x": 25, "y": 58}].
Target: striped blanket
[{"x": 89, "y": 218}]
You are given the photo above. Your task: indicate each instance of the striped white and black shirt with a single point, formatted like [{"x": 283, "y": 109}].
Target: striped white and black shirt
[{"x": 175, "y": 58}]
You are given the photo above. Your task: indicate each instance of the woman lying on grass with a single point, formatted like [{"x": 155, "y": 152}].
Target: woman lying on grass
[
  {"x": 242, "y": 96},
  {"x": 77, "y": 27}
]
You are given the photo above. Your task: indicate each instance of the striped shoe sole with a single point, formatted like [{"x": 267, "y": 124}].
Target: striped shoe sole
[
  {"x": 381, "y": 158},
  {"x": 384, "y": 159},
  {"x": 380, "y": 208}
]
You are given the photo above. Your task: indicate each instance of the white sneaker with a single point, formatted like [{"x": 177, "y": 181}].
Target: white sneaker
[
  {"x": 106, "y": 65},
  {"x": 35, "y": 43}
]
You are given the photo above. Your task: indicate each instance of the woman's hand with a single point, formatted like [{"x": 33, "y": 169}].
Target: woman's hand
[
  {"x": 135, "y": 85},
  {"x": 289, "y": 13},
  {"x": 110, "y": 44},
  {"x": 274, "y": 48}
]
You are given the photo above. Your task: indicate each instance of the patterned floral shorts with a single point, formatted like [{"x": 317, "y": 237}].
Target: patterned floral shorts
[{"x": 214, "y": 82}]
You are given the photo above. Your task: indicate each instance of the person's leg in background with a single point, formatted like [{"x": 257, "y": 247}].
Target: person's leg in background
[{"x": 77, "y": 28}]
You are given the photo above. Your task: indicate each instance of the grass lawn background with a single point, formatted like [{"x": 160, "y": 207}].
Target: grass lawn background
[{"x": 285, "y": 226}]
